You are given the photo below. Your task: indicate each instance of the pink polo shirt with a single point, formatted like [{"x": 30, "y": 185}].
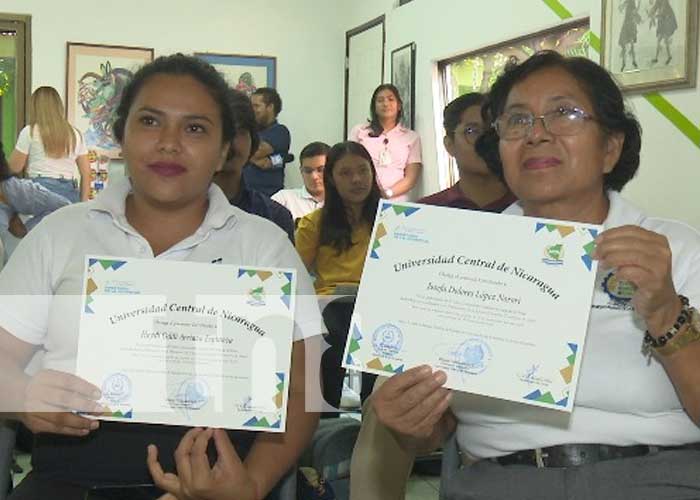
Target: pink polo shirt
[{"x": 391, "y": 152}]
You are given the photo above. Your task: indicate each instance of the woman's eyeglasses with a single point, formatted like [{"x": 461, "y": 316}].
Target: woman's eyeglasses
[{"x": 561, "y": 121}]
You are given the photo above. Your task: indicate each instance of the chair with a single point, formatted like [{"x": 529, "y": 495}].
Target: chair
[
  {"x": 451, "y": 463},
  {"x": 7, "y": 445}
]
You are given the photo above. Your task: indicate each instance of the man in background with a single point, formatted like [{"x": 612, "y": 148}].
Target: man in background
[
  {"x": 477, "y": 188},
  {"x": 265, "y": 170},
  {"x": 310, "y": 196}
]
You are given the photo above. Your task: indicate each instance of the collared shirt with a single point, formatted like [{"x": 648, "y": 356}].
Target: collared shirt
[
  {"x": 42, "y": 287},
  {"x": 391, "y": 151},
  {"x": 621, "y": 398},
  {"x": 29, "y": 143},
  {"x": 269, "y": 181},
  {"x": 257, "y": 203},
  {"x": 455, "y": 198},
  {"x": 298, "y": 201}
]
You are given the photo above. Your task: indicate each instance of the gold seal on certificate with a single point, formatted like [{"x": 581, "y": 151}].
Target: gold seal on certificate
[
  {"x": 500, "y": 303},
  {"x": 186, "y": 343}
]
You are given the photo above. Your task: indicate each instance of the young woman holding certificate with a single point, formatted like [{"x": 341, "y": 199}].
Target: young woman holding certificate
[
  {"x": 566, "y": 146},
  {"x": 175, "y": 126},
  {"x": 332, "y": 242}
]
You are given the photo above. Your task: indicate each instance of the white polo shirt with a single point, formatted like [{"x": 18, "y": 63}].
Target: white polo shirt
[
  {"x": 42, "y": 284},
  {"x": 298, "y": 201},
  {"x": 621, "y": 399}
]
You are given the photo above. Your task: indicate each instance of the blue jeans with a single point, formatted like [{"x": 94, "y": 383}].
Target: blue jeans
[{"x": 64, "y": 187}]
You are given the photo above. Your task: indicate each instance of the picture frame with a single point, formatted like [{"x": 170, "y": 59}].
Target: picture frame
[
  {"x": 650, "y": 45},
  {"x": 96, "y": 76},
  {"x": 243, "y": 72},
  {"x": 403, "y": 77}
]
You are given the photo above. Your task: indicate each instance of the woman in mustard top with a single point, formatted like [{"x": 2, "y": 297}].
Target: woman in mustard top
[{"x": 332, "y": 241}]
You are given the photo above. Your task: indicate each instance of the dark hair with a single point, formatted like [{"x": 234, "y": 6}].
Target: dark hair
[
  {"x": 270, "y": 96},
  {"x": 4, "y": 166},
  {"x": 452, "y": 114},
  {"x": 314, "y": 149},
  {"x": 374, "y": 124},
  {"x": 178, "y": 65},
  {"x": 244, "y": 118},
  {"x": 608, "y": 109},
  {"x": 336, "y": 230}
]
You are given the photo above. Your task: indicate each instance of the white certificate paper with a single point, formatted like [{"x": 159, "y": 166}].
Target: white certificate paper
[
  {"x": 186, "y": 343},
  {"x": 500, "y": 303}
]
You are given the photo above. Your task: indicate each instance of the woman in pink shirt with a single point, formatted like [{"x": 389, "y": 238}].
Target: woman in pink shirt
[{"x": 394, "y": 148}]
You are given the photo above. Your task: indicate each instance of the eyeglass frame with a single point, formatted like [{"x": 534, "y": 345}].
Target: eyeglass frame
[{"x": 584, "y": 116}]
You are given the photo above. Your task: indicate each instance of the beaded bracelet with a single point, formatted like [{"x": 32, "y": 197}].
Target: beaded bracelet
[{"x": 651, "y": 342}]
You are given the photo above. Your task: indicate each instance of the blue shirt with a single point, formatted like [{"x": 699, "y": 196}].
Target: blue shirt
[
  {"x": 271, "y": 180},
  {"x": 257, "y": 203}
]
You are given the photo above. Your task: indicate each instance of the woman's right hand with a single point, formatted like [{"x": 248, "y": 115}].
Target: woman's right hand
[
  {"x": 52, "y": 397},
  {"x": 412, "y": 404}
]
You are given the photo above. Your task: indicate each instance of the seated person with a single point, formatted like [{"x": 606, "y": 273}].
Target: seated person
[
  {"x": 310, "y": 196},
  {"x": 230, "y": 178},
  {"x": 175, "y": 127},
  {"x": 332, "y": 242},
  {"x": 565, "y": 145},
  {"x": 22, "y": 196},
  {"x": 477, "y": 188}
]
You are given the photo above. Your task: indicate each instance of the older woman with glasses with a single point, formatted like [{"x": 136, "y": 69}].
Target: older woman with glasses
[{"x": 566, "y": 146}]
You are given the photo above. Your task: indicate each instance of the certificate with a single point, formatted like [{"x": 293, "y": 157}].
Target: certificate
[
  {"x": 500, "y": 303},
  {"x": 186, "y": 343}
]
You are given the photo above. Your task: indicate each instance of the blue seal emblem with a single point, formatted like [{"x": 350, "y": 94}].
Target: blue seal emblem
[
  {"x": 193, "y": 394},
  {"x": 618, "y": 290},
  {"x": 387, "y": 340},
  {"x": 116, "y": 388},
  {"x": 473, "y": 356}
]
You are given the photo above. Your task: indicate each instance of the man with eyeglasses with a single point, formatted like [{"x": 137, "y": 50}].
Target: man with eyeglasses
[
  {"x": 477, "y": 188},
  {"x": 310, "y": 196}
]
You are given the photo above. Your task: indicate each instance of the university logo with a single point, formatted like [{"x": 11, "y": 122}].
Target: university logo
[
  {"x": 554, "y": 255},
  {"x": 256, "y": 297}
]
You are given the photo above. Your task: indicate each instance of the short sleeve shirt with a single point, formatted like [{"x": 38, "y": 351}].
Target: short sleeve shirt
[
  {"x": 391, "y": 151},
  {"x": 38, "y": 164}
]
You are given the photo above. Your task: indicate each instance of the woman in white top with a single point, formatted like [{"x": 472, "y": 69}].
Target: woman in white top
[
  {"x": 394, "y": 148},
  {"x": 51, "y": 148}
]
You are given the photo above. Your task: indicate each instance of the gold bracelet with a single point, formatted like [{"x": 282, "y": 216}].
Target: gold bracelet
[{"x": 684, "y": 338}]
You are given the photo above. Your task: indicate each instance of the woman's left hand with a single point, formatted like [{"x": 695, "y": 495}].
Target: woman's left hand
[
  {"x": 196, "y": 479},
  {"x": 643, "y": 257}
]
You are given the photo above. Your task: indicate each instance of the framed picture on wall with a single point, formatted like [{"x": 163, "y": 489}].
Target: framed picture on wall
[
  {"x": 403, "y": 76},
  {"x": 95, "y": 79},
  {"x": 244, "y": 73},
  {"x": 650, "y": 45}
]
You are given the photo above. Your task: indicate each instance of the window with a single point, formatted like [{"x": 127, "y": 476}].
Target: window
[
  {"x": 14, "y": 77},
  {"x": 476, "y": 71}
]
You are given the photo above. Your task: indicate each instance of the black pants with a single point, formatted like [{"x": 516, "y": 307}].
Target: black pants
[{"x": 337, "y": 317}]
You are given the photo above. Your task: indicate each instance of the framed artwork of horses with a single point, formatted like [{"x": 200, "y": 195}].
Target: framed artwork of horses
[{"x": 95, "y": 79}]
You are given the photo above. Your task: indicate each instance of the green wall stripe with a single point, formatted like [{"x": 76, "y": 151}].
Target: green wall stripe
[
  {"x": 558, "y": 8},
  {"x": 675, "y": 116},
  {"x": 672, "y": 114}
]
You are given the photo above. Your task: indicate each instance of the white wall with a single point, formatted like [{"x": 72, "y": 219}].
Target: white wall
[
  {"x": 668, "y": 182},
  {"x": 308, "y": 51}
]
